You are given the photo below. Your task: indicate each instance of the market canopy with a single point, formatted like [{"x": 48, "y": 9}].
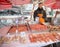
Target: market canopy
[
  {"x": 20, "y": 2},
  {"x": 54, "y": 4},
  {"x": 7, "y": 4}
]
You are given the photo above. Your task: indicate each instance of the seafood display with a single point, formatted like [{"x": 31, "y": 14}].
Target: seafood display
[
  {"x": 32, "y": 38},
  {"x": 39, "y": 34},
  {"x": 54, "y": 28},
  {"x": 22, "y": 28},
  {"x": 46, "y": 37}
]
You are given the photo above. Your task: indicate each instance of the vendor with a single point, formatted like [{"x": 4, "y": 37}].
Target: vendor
[{"x": 40, "y": 11}]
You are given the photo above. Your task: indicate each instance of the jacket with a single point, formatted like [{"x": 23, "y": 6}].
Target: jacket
[{"x": 39, "y": 11}]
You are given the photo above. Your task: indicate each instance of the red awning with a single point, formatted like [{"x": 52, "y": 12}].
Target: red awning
[
  {"x": 54, "y": 4},
  {"x": 5, "y": 4},
  {"x": 49, "y": 2},
  {"x": 20, "y": 2},
  {"x": 2, "y": 7}
]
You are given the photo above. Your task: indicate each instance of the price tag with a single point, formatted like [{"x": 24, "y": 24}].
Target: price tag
[{"x": 23, "y": 34}]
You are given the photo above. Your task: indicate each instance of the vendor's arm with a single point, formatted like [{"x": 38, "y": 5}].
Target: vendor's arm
[{"x": 35, "y": 15}]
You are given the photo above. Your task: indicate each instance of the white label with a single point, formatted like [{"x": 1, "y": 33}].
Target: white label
[{"x": 23, "y": 34}]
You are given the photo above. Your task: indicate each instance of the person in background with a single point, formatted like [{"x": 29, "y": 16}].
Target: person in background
[{"x": 41, "y": 11}]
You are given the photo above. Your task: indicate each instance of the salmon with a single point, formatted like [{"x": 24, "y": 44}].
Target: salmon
[
  {"x": 20, "y": 29},
  {"x": 32, "y": 38},
  {"x": 56, "y": 35},
  {"x": 51, "y": 37}
]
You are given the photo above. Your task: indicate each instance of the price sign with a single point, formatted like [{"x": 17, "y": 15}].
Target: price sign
[{"x": 22, "y": 34}]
